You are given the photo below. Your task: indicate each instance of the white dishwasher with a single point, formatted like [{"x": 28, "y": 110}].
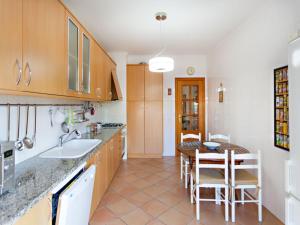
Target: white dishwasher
[{"x": 74, "y": 200}]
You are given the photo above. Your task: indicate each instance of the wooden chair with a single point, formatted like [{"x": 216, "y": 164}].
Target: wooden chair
[
  {"x": 221, "y": 137},
  {"x": 209, "y": 176},
  {"x": 184, "y": 160},
  {"x": 242, "y": 179}
]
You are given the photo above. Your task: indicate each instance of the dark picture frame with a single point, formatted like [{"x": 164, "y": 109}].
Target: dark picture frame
[{"x": 281, "y": 108}]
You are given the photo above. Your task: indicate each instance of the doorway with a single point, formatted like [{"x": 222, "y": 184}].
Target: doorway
[{"x": 190, "y": 107}]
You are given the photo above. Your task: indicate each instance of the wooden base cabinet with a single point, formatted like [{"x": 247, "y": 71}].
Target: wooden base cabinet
[
  {"x": 144, "y": 112},
  {"x": 100, "y": 184},
  {"x": 40, "y": 214},
  {"x": 107, "y": 161}
]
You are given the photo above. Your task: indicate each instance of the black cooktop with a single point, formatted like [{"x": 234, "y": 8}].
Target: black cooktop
[{"x": 112, "y": 125}]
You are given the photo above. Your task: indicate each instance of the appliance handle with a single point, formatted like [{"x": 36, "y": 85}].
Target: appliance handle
[
  {"x": 2, "y": 171},
  {"x": 287, "y": 176}
]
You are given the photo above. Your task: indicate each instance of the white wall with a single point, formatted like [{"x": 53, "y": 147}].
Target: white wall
[
  {"x": 47, "y": 136},
  {"x": 244, "y": 62},
  {"x": 181, "y": 63},
  {"x": 116, "y": 111}
]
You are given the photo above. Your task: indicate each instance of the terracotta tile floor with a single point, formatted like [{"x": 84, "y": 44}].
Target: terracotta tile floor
[{"x": 149, "y": 191}]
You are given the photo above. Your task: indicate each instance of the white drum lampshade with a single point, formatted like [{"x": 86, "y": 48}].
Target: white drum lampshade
[{"x": 161, "y": 64}]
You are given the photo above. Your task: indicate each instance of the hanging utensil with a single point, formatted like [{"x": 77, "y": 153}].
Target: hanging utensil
[
  {"x": 51, "y": 116},
  {"x": 34, "y": 132},
  {"x": 65, "y": 127},
  {"x": 8, "y": 122},
  {"x": 26, "y": 140},
  {"x": 19, "y": 144}
]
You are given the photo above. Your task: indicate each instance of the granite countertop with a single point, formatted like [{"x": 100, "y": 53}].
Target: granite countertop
[{"x": 36, "y": 177}]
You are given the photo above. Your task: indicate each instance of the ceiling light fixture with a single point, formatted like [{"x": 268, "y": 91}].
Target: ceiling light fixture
[{"x": 158, "y": 63}]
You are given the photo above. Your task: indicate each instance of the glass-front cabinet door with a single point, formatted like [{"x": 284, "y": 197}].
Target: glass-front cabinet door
[
  {"x": 73, "y": 56},
  {"x": 86, "y": 65}
]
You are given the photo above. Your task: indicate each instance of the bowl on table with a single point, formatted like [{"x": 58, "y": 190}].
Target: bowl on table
[{"x": 211, "y": 145}]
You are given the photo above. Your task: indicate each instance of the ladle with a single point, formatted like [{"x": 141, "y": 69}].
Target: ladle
[
  {"x": 26, "y": 140},
  {"x": 19, "y": 143}
]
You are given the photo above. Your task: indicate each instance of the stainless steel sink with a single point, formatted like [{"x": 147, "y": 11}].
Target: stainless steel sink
[{"x": 72, "y": 149}]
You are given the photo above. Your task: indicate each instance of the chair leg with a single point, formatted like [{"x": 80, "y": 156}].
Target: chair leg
[
  {"x": 197, "y": 202},
  {"x": 218, "y": 196},
  {"x": 226, "y": 204},
  {"x": 185, "y": 175},
  {"x": 181, "y": 167},
  {"x": 191, "y": 189},
  {"x": 260, "y": 205},
  {"x": 243, "y": 196},
  {"x": 233, "y": 205}
]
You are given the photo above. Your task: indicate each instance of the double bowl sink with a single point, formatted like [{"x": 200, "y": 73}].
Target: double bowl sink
[{"x": 72, "y": 149}]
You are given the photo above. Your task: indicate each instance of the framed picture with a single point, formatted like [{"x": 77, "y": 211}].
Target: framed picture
[{"x": 281, "y": 108}]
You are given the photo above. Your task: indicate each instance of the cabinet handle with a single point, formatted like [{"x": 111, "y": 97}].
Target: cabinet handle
[
  {"x": 98, "y": 92},
  {"x": 81, "y": 86},
  {"x": 19, "y": 72},
  {"x": 50, "y": 209},
  {"x": 29, "y": 72}
]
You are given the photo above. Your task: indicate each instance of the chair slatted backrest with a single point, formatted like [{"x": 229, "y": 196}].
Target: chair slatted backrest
[
  {"x": 219, "y": 137},
  {"x": 190, "y": 136},
  {"x": 212, "y": 156},
  {"x": 251, "y": 161}
]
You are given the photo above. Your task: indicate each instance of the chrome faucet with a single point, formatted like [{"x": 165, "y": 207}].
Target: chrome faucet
[{"x": 61, "y": 138}]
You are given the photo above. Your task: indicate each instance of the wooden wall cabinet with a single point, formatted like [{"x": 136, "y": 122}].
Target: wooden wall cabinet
[
  {"x": 32, "y": 49},
  {"x": 98, "y": 72},
  {"x": 79, "y": 54},
  {"x": 47, "y": 52},
  {"x": 40, "y": 214},
  {"x": 11, "y": 44},
  {"x": 144, "y": 112}
]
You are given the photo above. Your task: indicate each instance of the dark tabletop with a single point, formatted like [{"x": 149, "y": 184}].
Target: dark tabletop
[{"x": 189, "y": 148}]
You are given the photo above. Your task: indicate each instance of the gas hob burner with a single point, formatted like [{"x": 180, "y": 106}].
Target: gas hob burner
[{"x": 109, "y": 125}]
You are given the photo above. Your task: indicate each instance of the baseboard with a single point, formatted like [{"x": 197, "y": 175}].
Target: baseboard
[{"x": 139, "y": 155}]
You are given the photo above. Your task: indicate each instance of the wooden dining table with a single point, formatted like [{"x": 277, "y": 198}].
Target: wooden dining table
[{"x": 189, "y": 149}]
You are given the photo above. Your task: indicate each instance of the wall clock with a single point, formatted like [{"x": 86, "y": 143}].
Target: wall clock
[{"x": 190, "y": 70}]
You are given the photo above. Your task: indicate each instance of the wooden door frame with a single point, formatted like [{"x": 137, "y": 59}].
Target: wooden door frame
[{"x": 176, "y": 110}]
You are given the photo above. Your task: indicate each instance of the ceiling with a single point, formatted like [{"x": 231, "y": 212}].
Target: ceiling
[{"x": 192, "y": 27}]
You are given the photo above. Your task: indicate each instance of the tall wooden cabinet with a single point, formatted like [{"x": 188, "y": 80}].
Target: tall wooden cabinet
[{"x": 144, "y": 112}]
